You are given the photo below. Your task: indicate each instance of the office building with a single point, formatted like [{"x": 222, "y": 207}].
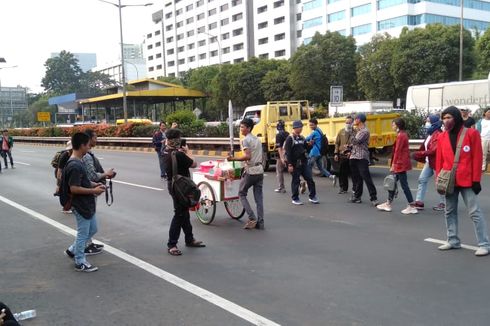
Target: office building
[
  {"x": 187, "y": 34},
  {"x": 13, "y": 100},
  {"x": 86, "y": 61},
  {"x": 134, "y": 64}
]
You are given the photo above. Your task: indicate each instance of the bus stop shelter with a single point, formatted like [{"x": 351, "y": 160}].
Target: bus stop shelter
[{"x": 144, "y": 92}]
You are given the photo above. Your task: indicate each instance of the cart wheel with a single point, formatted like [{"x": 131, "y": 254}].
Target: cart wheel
[
  {"x": 207, "y": 203},
  {"x": 234, "y": 208}
]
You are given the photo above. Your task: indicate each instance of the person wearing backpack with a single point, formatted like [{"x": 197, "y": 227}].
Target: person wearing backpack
[
  {"x": 296, "y": 146},
  {"x": 79, "y": 192},
  {"x": 319, "y": 145},
  {"x": 181, "y": 219},
  {"x": 281, "y": 137}
]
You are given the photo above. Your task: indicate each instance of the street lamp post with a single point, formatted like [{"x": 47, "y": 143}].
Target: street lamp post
[
  {"x": 461, "y": 23},
  {"x": 123, "y": 72}
]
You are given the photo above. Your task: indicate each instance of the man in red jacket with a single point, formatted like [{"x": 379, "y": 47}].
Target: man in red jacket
[{"x": 467, "y": 182}]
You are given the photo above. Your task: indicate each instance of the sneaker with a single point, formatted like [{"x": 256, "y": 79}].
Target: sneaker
[
  {"x": 250, "y": 224},
  {"x": 355, "y": 200},
  {"x": 341, "y": 192},
  {"x": 260, "y": 226},
  {"x": 313, "y": 200},
  {"x": 439, "y": 208},
  {"x": 448, "y": 246},
  {"x": 85, "y": 267},
  {"x": 69, "y": 253},
  {"x": 96, "y": 245},
  {"x": 280, "y": 190},
  {"x": 302, "y": 187},
  {"x": 419, "y": 205},
  {"x": 92, "y": 250},
  {"x": 334, "y": 180},
  {"x": 297, "y": 202},
  {"x": 482, "y": 251},
  {"x": 384, "y": 207},
  {"x": 67, "y": 212},
  {"x": 410, "y": 210}
]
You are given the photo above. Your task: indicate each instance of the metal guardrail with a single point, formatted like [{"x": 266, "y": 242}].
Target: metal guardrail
[{"x": 129, "y": 140}]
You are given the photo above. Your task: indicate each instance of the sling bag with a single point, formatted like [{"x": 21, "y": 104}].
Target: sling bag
[{"x": 447, "y": 178}]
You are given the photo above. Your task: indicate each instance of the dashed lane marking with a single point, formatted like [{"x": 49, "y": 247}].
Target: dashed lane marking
[
  {"x": 22, "y": 163},
  {"x": 444, "y": 242},
  {"x": 231, "y": 307},
  {"x": 137, "y": 185}
]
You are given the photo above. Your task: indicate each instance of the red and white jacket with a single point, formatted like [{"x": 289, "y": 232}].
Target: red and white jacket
[{"x": 470, "y": 159}]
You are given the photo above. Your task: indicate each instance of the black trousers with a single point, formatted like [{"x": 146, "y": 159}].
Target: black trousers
[
  {"x": 360, "y": 174},
  {"x": 9, "y": 319},
  {"x": 344, "y": 173},
  {"x": 9, "y": 154},
  {"x": 181, "y": 220}
]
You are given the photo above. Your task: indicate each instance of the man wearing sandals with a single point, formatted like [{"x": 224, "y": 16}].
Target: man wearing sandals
[
  {"x": 253, "y": 175},
  {"x": 181, "y": 219}
]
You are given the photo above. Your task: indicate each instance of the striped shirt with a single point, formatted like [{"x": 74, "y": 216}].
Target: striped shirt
[{"x": 360, "y": 145}]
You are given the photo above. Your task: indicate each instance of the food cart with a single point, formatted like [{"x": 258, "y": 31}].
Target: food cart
[{"x": 218, "y": 181}]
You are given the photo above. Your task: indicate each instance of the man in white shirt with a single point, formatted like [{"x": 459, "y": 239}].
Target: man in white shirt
[{"x": 483, "y": 126}]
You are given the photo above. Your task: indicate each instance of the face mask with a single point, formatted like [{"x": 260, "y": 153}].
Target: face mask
[
  {"x": 348, "y": 126},
  {"x": 427, "y": 125},
  {"x": 449, "y": 124}
]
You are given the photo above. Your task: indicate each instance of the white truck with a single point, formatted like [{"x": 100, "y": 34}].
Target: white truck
[{"x": 472, "y": 94}]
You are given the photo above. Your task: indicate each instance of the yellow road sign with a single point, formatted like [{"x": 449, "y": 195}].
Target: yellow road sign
[{"x": 44, "y": 116}]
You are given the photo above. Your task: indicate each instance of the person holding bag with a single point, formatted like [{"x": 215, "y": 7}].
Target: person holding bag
[
  {"x": 400, "y": 164},
  {"x": 458, "y": 169}
]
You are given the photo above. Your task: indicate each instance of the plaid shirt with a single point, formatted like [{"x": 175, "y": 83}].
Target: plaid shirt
[{"x": 360, "y": 145}]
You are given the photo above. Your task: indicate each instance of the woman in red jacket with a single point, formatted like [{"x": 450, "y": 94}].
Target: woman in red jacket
[{"x": 400, "y": 164}]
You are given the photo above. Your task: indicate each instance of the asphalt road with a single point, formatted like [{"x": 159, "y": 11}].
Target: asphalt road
[{"x": 335, "y": 263}]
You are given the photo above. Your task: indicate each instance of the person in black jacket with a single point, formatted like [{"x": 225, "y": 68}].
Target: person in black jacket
[
  {"x": 6, "y": 316},
  {"x": 297, "y": 161}
]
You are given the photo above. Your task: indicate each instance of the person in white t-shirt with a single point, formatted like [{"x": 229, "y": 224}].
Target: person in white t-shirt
[{"x": 483, "y": 126}]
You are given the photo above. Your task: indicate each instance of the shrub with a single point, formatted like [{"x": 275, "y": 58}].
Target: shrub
[
  {"x": 144, "y": 131},
  {"x": 182, "y": 117}
]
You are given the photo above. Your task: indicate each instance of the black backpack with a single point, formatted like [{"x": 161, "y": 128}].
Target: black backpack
[
  {"x": 324, "y": 144},
  {"x": 55, "y": 162},
  {"x": 65, "y": 194},
  {"x": 184, "y": 189}
]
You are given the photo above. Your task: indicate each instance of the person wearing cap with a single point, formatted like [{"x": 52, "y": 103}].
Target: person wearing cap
[
  {"x": 468, "y": 121},
  {"x": 483, "y": 127},
  {"x": 281, "y": 137},
  {"x": 297, "y": 161},
  {"x": 427, "y": 155},
  {"x": 359, "y": 162},
  {"x": 253, "y": 175},
  {"x": 467, "y": 178},
  {"x": 6, "y": 149}
]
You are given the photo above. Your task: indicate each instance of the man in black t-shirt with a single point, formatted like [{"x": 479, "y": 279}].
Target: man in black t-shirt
[
  {"x": 468, "y": 121},
  {"x": 281, "y": 158},
  {"x": 83, "y": 193},
  {"x": 181, "y": 219}
]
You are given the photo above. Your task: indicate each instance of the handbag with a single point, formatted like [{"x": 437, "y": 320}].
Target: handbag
[
  {"x": 389, "y": 183},
  {"x": 447, "y": 178}
]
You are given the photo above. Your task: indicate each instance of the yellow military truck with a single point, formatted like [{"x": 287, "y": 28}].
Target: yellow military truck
[{"x": 266, "y": 116}]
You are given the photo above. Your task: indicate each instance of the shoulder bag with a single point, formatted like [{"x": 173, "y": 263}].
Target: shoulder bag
[{"x": 447, "y": 178}]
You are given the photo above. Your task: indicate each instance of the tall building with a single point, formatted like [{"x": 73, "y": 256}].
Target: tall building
[
  {"x": 12, "y": 101},
  {"x": 86, "y": 61},
  {"x": 133, "y": 52},
  {"x": 188, "y": 34}
]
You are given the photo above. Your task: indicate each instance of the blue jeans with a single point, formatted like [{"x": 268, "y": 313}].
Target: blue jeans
[
  {"x": 318, "y": 160},
  {"x": 425, "y": 175},
  {"x": 473, "y": 209},
  {"x": 304, "y": 170},
  {"x": 402, "y": 177},
  {"x": 86, "y": 229},
  {"x": 161, "y": 161}
]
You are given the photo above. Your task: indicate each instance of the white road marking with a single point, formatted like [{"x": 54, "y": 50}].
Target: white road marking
[
  {"x": 22, "y": 163},
  {"x": 204, "y": 294},
  {"x": 444, "y": 242},
  {"x": 137, "y": 185},
  {"x": 24, "y": 151}
]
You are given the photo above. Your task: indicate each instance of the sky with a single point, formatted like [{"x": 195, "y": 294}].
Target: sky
[{"x": 30, "y": 30}]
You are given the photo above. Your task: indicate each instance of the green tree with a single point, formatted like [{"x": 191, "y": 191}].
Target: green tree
[
  {"x": 373, "y": 68},
  {"x": 329, "y": 59},
  {"x": 172, "y": 80},
  {"x": 92, "y": 83},
  {"x": 483, "y": 54},
  {"x": 430, "y": 55},
  {"x": 62, "y": 74},
  {"x": 275, "y": 84}
]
